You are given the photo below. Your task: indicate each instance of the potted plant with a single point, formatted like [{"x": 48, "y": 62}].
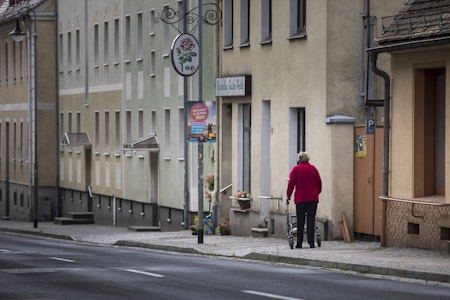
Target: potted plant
[
  {"x": 243, "y": 199},
  {"x": 224, "y": 229}
]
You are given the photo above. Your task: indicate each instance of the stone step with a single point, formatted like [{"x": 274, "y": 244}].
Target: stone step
[
  {"x": 260, "y": 232},
  {"x": 72, "y": 221},
  {"x": 81, "y": 215},
  {"x": 144, "y": 228}
]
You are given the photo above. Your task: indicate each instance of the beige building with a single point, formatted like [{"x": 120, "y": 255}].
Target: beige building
[
  {"x": 292, "y": 77},
  {"x": 417, "y": 205},
  {"x": 121, "y": 112},
  {"x": 27, "y": 133}
]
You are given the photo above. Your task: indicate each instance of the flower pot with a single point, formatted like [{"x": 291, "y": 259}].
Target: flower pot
[{"x": 244, "y": 204}]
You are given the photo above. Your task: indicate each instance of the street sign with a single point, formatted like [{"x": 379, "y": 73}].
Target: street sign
[{"x": 371, "y": 125}]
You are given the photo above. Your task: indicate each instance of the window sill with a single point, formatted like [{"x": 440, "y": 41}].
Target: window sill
[
  {"x": 298, "y": 36},
  {"x": 430, "y": 200},
  {"x": 266, "y": 42}
]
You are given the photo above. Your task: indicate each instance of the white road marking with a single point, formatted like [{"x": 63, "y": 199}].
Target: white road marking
[
  {"x": 62, "y": 259},
  {"x": 273, "y": 296},
  {"x": 144, "y": 273}
]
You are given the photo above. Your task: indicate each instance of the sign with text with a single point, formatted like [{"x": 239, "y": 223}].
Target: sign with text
[
  {"x": 201, "y": 122},
  {"x": 234, "y": 86}
]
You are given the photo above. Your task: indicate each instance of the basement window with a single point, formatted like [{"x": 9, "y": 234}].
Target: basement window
[
  {"x": 413, "y": 228},
  {"x": 445, "y": 234}
]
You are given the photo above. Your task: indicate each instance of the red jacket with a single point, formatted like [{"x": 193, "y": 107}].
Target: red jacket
[{"x": 307, "y": 182}]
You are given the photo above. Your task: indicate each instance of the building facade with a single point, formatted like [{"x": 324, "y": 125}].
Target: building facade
[
  {"x": 122, "y": 108},
  {"x": 307, "y": 65},
  {"x": 417, "y": 207},
  {"x": 28, "y": 100}
]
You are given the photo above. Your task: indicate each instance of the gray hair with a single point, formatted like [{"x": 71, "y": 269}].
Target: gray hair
[{"x": 303, "y": 157}]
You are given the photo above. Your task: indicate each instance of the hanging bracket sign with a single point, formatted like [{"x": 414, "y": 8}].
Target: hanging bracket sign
[{"x": 184, "y": 54}]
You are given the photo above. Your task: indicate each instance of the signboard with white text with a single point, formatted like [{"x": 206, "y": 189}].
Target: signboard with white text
[{"x": 234, "y": 86}]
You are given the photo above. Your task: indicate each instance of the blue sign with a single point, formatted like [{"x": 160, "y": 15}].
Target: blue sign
[{"x": 371, "y": 125}]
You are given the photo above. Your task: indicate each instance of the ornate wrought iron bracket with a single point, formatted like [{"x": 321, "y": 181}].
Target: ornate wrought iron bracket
[{"x": 211, "y": 15}]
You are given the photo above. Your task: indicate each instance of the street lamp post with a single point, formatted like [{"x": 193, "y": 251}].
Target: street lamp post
[{"x": 17, "y": 34}]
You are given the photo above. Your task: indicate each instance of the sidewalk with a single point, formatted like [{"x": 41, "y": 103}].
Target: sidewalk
[{"x": 359, "y": 256}]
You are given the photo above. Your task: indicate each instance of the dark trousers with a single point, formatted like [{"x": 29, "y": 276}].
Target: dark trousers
[{"x": 306, "y": 210}]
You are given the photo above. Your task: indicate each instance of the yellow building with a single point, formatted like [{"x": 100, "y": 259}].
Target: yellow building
[
  {"x": 28, "y": 141},
  {"x": 417, "y": 206}
]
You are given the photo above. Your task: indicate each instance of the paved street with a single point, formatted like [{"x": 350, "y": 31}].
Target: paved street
[
  {"x": 358, "y": 256},
  {"x": 44, "y": 268}
]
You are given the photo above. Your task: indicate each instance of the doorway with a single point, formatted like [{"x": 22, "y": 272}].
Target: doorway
[
  {"x": 368, "y": 181},
  {"x": 429, "y": 132}
]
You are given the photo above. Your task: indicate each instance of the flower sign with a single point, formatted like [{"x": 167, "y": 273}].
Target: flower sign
[{"x": 184, "y": 54}]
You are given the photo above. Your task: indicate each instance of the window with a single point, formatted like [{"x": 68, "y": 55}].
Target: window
[
  {"x": 77, "y": 49},
  {"x": 15, "y": 141},
  {"x": 1, "y": 146},
  {"x": 244, "y": 147},
  {"x": 69, "y": 50},
  {"x": 128, "y": 128},
  {"x": 297, "y": 18},
  {"x": 96, "y": 49},
  {"x": 245, "y": 22},
  {"x": 117, "y": 124},
  {"x": 266, "y": 21},
  {"x": 266, "y": 133},
  {"x": 181, "y": 11},
  {"x": 61, "y": 122},
  {"x": 97, "y": 132},
  {"x": 14, "y": 60},
  {"x": 107, "y": 133},
  {"x": 61, "y": 51},
  {"x": 21, "y": 60},
  {"x": 152, "y": 63},
  {"x": 116, "y": 41},
  {"x": 152, "y": 22},
  {"x": 296, "y": 133},
  {"x": 228, "y": 24},
  {"x": 106, "y": 43},
  {"x": 153, "y": 121},
  {"x": 70, "y": 122},
  {"x": 140, "y": 37},
  {"x": 167, "y": 132},
  {"x": 0, "y": 61},
  {"x": 166, "y": 41},
  {"x": 141, "y": 123},
  {"x": 21, "y": 137},
  {"x": 127, "y": 38},
  {"x": 78, "y": 122},
  {"x": 181, "y": 131},
  {"x": 6, "y": 62}
]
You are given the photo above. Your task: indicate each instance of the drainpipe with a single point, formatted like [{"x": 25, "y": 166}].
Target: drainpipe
[
  {"x": 58, "y": 191},
  {"x": 387, "y": 111}
]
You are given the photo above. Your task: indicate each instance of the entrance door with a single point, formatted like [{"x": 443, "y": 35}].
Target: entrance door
[{"x": 368, "y": 181}]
